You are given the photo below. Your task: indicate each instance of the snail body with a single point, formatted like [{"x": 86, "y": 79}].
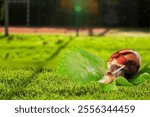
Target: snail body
[{"x": 124, "y": 63}]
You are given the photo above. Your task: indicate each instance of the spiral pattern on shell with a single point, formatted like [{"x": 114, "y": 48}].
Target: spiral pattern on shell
[{"x": 128, "y": 58}]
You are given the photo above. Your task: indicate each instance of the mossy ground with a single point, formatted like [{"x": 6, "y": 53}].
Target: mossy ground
[{"x": 28, "y": 65}]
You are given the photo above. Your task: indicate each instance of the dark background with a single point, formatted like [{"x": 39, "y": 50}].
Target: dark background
[{"x": 114, "y": 13}]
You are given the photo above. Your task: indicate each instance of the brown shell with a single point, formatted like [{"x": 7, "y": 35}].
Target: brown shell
[
  {"x": 126, "y": 57},
  {"x": 124, "y": 63}
]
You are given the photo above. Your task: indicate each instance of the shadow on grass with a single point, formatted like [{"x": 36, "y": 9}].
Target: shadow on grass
[
  {"x": 59, "y": 49},
  {"x": 36, "y": 71},
  {"x": 104, "y": 32},
  {"x": 2, "y": 36}
]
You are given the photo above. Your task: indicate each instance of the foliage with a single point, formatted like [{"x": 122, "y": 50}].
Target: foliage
[
  {"x": 81, "y": 66},
  {"x": 27, "y": 73},
  {"x": 85, "y": 67}
]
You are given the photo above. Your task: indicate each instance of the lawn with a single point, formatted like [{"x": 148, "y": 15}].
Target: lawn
[{"x": 28, "y": 66}]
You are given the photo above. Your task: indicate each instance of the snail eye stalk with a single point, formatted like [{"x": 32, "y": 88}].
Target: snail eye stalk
[
  {"x": 118, "y": 70},
  {"x": 125, "y": 63}
]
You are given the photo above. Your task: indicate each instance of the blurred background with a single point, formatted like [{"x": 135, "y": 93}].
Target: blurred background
[
  {"x": 81, "y": 13},
  {"x": 36, "y": 34}
]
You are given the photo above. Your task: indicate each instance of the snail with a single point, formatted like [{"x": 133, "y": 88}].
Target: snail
[{"x": 125, "y": 62}]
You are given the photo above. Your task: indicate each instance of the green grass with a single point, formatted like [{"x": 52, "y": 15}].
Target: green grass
[{"x": 28, "y": 65}]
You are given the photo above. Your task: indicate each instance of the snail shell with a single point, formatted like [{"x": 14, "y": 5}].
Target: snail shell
[{"x": 124, "y": 63}]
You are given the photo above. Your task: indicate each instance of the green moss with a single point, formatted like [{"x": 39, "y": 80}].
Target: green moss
[{"x": 26, "y": 72}]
